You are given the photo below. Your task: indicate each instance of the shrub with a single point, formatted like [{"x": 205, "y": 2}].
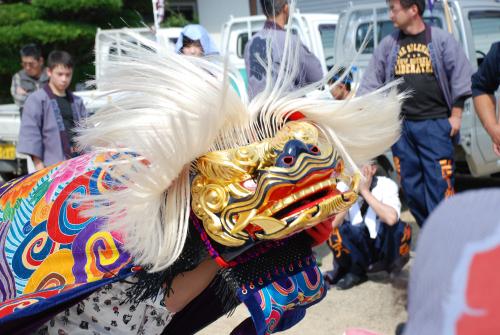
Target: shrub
[
  {"x": 77, "y": 6},
  {"x": 13, "y": 14}
]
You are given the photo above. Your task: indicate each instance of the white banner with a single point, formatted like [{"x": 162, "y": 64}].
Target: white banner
[{"x": 158, "y": 12}]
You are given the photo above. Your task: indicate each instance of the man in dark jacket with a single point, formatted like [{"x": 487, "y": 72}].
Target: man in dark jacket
[{"x": 437, "y": 73}]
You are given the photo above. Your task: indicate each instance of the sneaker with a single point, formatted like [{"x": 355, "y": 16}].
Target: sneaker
[
  {"x": 397, "y": 266},
  {"x": 350, "y": 280},
  {"x": 333, "y": 276},
  {"x": 377, "y": 267},
  {"x": 400, "y": 328}
]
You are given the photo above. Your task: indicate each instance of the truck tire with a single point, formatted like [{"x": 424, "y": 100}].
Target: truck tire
[{"x": 6, "y": 176}]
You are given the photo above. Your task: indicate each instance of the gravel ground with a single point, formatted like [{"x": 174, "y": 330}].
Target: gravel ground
[{"x": 375, "y": 305}]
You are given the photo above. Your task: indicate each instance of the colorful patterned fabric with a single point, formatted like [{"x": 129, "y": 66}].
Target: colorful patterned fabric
[
  {"x": 281, "y": 304},
  {"x": 48, "y": 247},
  {"x": 53, "y": 255}
]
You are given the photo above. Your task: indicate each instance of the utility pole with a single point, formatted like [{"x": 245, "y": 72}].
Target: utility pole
[{"x": 253, "y": 7}]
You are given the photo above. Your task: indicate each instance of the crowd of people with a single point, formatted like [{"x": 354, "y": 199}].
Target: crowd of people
[{"x": 430, "y": 65}]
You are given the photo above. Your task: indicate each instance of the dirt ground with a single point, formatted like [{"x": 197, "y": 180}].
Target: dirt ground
[{"x": 376, "y": 305}]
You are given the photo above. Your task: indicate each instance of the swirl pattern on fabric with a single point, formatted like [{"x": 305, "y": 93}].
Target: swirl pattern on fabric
[
  {"x": 47, "y": 244},
  {"x": 97, "y": 254},
  {"x": 66, "y": 219},
  {"x": 7, "y": 283},
  {"x": 33, "y": 250}
]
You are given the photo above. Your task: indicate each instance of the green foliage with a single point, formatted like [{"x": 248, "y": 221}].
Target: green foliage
[
  {"x": 13, "y": 14},
  {"x": 175, "y": 19},
  {"x": 90, "y": 11},
  {"x": 141, "y": 8},
  {"x": 77, "y": 6},
  {"x": 44, "y": 33}
]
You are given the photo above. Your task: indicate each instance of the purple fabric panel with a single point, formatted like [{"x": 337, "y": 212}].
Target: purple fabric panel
[{"x": 7, "y": 284}]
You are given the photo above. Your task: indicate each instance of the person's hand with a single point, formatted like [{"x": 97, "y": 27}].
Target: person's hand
[
  {"x": 368, "y": 173},
  {"x": 39, "y": 166},
  {"x": 494, "y": 132},
  {"x": 38, "y": 163},
  {"x": 456, "y": 123},
  {"x": 21, "y": 91},
  {"x": 496, "y": 149}
]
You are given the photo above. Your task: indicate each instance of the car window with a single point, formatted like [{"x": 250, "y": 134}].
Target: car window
[
  {"x": 241, "y": 42},
  {"x": 384, "y": 28},
  {"x": 327, "y": 34},
  {"x": 485, "y": 27}
]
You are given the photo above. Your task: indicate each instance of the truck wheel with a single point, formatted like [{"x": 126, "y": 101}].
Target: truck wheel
[{"x": 6, "y": 176}]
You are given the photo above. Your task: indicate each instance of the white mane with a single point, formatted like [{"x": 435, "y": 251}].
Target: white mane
[{"x": 170, "y": 109}]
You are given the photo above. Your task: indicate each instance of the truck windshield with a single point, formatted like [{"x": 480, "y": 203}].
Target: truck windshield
[
  {"x": 485, "y": 27},
  {"x": 327, "y": 33}
]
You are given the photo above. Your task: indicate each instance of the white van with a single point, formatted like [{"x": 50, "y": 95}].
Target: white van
[{"x": 474, "y": 23}]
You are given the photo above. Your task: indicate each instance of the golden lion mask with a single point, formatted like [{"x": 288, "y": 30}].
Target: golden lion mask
[{"x": 271, "y": 189}]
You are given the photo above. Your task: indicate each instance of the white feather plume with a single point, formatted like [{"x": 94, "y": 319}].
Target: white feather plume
[{"x": 169, "y": 109}]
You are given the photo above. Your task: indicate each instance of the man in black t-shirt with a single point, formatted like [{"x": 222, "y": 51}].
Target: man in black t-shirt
[
  {"x": 437, "y": 73},
  {"x": 414, "y": 65}
]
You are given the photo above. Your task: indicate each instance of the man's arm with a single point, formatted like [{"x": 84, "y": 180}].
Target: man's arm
[
  {"x": 18, "y": 93},
  {"x": 30, "y": 134},
  {"x": 311, "y": 66},
  {"x": 484, "y": 84},
  {"x": 485, "y": 108},
  {"x": 386, "y": 213},
  {"x": 455, "y": 120},
  {"x": 188, "y": 285},
  {"x": 459, "y": 72}
]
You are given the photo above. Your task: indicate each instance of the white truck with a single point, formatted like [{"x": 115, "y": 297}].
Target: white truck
[{"x": 474, "y": 23}]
